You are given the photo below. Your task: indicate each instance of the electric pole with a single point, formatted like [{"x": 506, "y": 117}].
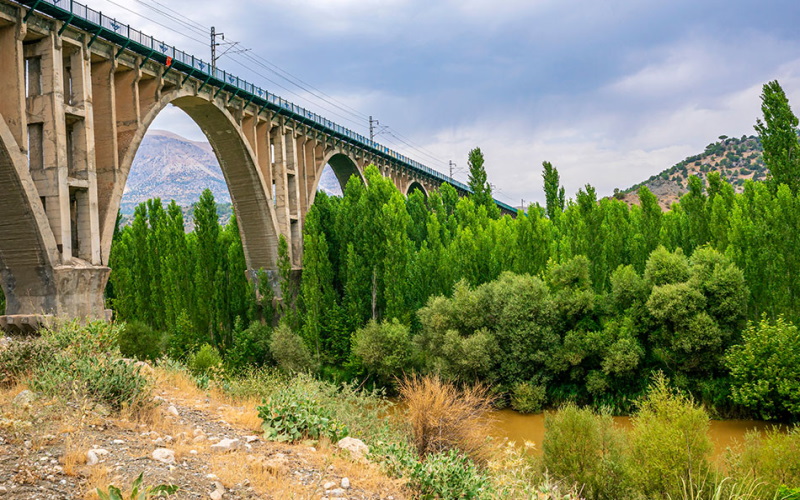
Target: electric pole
[
  {"x": 372, "y": 124},
  {"x": 214, "y": 46},
  {"x": 452, "y": 165}
]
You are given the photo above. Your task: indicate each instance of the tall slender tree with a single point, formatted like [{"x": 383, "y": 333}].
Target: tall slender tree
[
  {"x": 553, "y": 191},
  {"x": 778, "y": 134},
  {"x": 479, "y": 184}
]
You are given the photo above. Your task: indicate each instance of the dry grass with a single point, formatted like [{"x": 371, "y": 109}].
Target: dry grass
[
  {"x": 243, "y": 414},
  {"x": 266, "y": 475},
  {"x": 444, "y": 417},
  {"x": 99, "y": 477},
  {"x": 75, "y": 447}
]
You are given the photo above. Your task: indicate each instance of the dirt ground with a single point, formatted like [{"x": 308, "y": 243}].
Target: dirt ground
[{"x": 52, "y": 449}]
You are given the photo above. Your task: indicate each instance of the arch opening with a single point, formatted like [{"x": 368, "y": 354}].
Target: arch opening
[
  {"x": 415, "y": 185},
  {"x": 240, "y": 176},
  {"x": 334, "y": 173}
]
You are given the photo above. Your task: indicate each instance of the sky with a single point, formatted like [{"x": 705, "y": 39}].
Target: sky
[{"x": 610, "y": 92}]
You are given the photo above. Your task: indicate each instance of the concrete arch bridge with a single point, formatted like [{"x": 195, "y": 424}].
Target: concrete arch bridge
[{"x": 78, "y": 91}]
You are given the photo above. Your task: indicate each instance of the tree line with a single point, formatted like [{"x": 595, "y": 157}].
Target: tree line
[{"x": 577, "y": 300}]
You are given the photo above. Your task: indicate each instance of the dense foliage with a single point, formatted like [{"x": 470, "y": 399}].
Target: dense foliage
[{"x": 580, "y": 300}]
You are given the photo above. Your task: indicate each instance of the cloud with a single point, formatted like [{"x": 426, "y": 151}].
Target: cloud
[{"x": 610, "y": 92}]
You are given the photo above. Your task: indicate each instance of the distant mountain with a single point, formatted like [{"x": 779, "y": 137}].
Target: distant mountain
[
  {"x": 171, "y": 167},
  {"x": 736, "y": 159}
]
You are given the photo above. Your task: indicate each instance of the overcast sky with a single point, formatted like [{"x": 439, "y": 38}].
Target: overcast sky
[{"x": 610, "y": 92}]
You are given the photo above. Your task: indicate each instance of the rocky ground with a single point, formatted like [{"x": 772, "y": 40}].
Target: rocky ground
[{"x": 203, "y": 442}]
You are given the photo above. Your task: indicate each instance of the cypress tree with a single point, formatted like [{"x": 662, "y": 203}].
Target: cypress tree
[{"x": 778, "y": 133}]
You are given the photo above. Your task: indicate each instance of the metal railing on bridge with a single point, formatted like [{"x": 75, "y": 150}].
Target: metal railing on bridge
[{"x": 108, "y": 28}]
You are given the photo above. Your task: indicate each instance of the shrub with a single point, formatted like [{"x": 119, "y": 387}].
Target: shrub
[
  {"x": 383, "y": 349},
  {"x": 102, "y": 378},
  {"x": 292, "y": 414},
  {"x": 21, "y": 358},
  {"x": 139, "y": 341},
  {"x": 587, "y": 449},
  {"x": 95, "y": 337},
  {"x": 669, "y": 442},
  {"x": 773, "y": 457},
  {"x": 289, "y": 350},
  {"x": 765, "y": 369},
  {"x": 442, "y": 417},
  {"x": 204, "y": 359},
  {"x": 250, "y": 347},
  {"x": 449, "y": 475},
  {"x": 527, "y": 397}
]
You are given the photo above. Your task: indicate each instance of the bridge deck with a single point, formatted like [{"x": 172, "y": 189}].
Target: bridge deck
[{"x": 99, "y": 25}]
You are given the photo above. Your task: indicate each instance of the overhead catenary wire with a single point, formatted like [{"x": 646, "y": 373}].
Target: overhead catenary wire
[{"x": 324, "y": 101}]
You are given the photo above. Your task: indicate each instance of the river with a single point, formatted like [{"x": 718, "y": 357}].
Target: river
[{"x": 520, "y": 427}]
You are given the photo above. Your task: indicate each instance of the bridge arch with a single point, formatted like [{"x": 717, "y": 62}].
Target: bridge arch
[
  {"x": 343, "y": 167},
  {"x": 247, "y": 187},
  {"x": 416, "y": 185}
]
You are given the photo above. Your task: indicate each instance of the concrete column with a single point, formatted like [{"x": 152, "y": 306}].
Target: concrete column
[
  {"x": 279, "y": 178},
  {"x": 264, "y": 153},
  {"x": 104, "y": 119},
  {"x": 12, "y": 82}
]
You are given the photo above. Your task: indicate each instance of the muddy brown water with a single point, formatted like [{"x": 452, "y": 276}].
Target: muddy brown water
[{"x": 520, "y": 427}]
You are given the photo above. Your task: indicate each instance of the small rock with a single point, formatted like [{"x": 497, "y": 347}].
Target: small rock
[
  {"x": 198, "y": 431},
  {"x": 329, "y": 485},
  {"x": 215, "y": 495},
  {"x": 24, "y": 398},
  {"x": 250, "y": 439},
  {"x": 199, "y": 438},
  {"x": 172, "y": 410},
  {"x": 118, "y": 441},
  {"x": 167, "y": 439},
  {"x": 346, "y": 483},
  {"x": 3, "y": 489},
  {"x": 337, "y": 493},
  {"x": 358, "y": 450},
  {"x": 91, "y": 458},
  {"x": 100, "y": 451},
  {"x": 248, "y": 446},
  {"x": 158, "y": 442},
  {"x": 225, "y": 445},
  {"x": 164, "y": 455},
  {"x": 192, "y": 452},
  {"x": 213, "y": 477}
]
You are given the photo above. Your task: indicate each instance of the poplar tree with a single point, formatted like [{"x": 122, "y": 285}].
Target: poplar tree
[
  {"x": 207, "y": 257},
  {"x": 553, "y": 191},
  {"x": 778, "y": 133},
  {"x": 479, "y": 185},
  {"x": 317, "y": 284}
]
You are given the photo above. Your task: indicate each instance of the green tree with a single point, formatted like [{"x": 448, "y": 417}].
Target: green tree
[
  {"x": 207, "y": 257},
  {"x": 317, "y": 285},
  {"x": 778, "y": 134},
  {"x": 553, "y": 191},
  {"x": 766, "y": 369},
  {"x": 479, "y": 185}
]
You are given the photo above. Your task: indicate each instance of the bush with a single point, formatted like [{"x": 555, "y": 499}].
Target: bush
[
  {"x": 449, "y": 475},
  {"x": 292, "y": 414},
  {"x": 443, "y": 418},
  {"x": 773, "y": 457},
  {"x": 204, "y": 360},
  {"x": 527, "y": 397},
  {"x": 21, "y": 358},
  {"x": 102, "y": 378},
  {"x": 383, "y": 349},
  {"x": 587, "y": 449},
  {"x": 669, "y": 442},
  {"x": 250, "y": 347},
  {"x": 765, "y": 369},
  {"x": 95, "y": 337},
  {"x": 289, "y": 350},
  {"x": 137, "y": 340}
]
